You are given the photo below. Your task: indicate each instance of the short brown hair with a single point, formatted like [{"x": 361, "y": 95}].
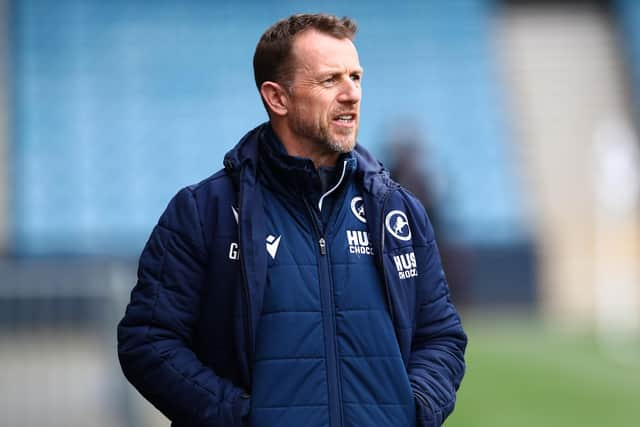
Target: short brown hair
[{"x": 272, "y": 58}]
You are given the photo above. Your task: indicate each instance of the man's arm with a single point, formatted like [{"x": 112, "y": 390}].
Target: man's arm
[
  {"x": 155, "y": 335},
  {"x": 436, "y": 365}
]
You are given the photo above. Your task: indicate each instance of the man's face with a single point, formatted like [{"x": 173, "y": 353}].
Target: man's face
[{"x": 324, "y": 96}]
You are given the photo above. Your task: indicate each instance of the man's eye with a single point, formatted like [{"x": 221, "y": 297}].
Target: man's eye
[
  {"x": 356, "y": 77},
  {"x": 329, "y": 81}
]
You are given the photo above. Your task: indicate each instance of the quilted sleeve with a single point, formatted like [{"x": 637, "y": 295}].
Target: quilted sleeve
[
  {"x": 155, "y": 336},
  {"x": 436, "y": 364}
]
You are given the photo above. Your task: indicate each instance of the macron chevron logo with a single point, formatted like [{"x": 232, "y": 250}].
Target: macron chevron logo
[{"x": 272, "y": 245}]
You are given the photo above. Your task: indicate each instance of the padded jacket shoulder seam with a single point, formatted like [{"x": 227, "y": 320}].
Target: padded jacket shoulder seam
[{"x": 221, "y": 174}]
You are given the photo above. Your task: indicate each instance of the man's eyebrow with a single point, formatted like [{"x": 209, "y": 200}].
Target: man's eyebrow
[{"x": 336, "y": 71}]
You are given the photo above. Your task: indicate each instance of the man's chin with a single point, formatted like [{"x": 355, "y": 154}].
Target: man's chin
[{"x": 343, "y": 143}]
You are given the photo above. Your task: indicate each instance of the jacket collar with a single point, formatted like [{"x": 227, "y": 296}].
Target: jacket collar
[
  {"x": 246, "y": 154},
  {"x": 288, "y": 175}
]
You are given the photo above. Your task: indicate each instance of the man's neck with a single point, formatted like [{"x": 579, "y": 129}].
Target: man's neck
[{"x": 302, "y": 147}]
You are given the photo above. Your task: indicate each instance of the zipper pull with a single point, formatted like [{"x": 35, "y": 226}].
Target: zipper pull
[{"x": 323, "y": 246}]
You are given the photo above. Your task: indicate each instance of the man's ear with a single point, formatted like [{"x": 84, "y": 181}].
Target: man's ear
[{"x": 276, "y": 97}]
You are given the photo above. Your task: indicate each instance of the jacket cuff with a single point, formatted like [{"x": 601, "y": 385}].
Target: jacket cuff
[{"x": 427, "y": 415}]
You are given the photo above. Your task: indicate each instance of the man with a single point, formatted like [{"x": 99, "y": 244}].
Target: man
[{"x": 299, "y": 286}]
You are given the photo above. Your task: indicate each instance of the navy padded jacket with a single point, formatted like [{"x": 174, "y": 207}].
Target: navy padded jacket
[
  {"x": 326, "y": 350},
  {"x": 187, "y": 339}
]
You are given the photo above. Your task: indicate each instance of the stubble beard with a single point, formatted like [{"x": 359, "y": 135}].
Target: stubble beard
[{"x": 320, "y": 134}]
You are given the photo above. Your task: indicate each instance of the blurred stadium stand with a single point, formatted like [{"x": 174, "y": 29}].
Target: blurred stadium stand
[
  {"x": 109, "y": 121},
  {"x": 124, "y": 103},
  {"x": 108, "y": 108},
  {"x": 4, "y": 136},
  {"x": 570, "y": 101}
]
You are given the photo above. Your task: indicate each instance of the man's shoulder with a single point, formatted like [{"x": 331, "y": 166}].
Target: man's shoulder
[
  {"x": 218, "y": 178},
  {"x": 201, "y": 211},
  {"x": 202, "y": 200},
  {"x": 217, "y": 185}
]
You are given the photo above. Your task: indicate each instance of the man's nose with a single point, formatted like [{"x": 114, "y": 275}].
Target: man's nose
[{"x": 350, "y": 92}]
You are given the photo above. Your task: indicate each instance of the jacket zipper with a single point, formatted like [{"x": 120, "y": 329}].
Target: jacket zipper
[
  {"x": 328, "y": 322},
  {"x": 323, "y": 246},
  {"x": 328, "y": 309}
]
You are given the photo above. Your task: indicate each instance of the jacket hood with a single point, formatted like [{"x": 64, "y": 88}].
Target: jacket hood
[{"x": 245, "y": 151}]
